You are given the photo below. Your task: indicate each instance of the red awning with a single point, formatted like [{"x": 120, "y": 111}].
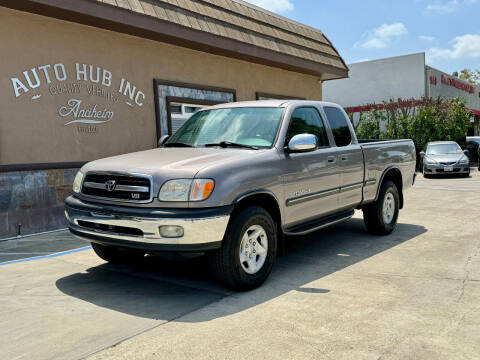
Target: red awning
[{"x": 475, "y": 112}]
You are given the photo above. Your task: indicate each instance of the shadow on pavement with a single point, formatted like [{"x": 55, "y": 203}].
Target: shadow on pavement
[{"x": 130, "y": 289}]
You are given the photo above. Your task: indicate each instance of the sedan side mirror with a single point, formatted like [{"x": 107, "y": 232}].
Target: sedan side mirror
[
  {"x": 302, "y": 143},
  {"x": 162, "y": 140}
]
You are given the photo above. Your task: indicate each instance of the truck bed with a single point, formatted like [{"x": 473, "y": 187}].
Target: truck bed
[{"x": 380, "y": 155}]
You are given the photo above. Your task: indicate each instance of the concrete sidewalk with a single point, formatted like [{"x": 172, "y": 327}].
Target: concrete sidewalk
[{"x": 337, "y": 294}]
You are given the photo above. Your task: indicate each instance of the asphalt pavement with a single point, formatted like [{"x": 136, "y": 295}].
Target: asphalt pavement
[{"x": 339, "y": 293}]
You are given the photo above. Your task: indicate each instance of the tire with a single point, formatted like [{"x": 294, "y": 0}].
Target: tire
[
  {"x": 226, "y": 264},
  {"x": 424, "y": 174},
  {"x": 373, "y": 215},
  {"x": 117, "y": 255}
]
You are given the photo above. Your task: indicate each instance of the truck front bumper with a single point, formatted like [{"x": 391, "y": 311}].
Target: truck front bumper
[{"x": 139, "y": 228}]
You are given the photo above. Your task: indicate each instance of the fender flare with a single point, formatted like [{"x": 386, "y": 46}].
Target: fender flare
[{"x": 380, "y": 182}]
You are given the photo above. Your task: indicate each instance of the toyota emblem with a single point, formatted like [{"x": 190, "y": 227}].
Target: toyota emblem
[{"x": 110, "y": 185}]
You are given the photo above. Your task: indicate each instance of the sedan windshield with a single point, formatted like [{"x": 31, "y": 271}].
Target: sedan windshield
[
  {"x": 443, "y": 149},
  {"x": 250, "y": 127}
]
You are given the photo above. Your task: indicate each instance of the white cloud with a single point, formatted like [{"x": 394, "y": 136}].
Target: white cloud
[
  {"x": 443, "y": 7},
  {"x": 426, "y": 38},
  {"x": 381, "y": 36},
  {"x": 274, "y": 5},
  {"x": 462, "y": 47}
]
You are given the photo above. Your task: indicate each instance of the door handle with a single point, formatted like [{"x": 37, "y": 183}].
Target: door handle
[
  {"x": 344, "y": 157},
  {"x": 331, "y": 159}
]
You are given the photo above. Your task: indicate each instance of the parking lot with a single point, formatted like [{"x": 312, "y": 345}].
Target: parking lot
[{"x": 339, "y": 293}]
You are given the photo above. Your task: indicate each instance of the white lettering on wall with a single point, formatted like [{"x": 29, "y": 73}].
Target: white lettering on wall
[
  {"x": 84, "y": 115},
  {"x": 137, "y": 101},
  {"x": 17, "y": 86},
  {"x": 127, "y": 89},
  {"x": 78, "y": 80},
  {"x": 81, "y": 72},
  {"x": 59, "y": 77},
  {"x": 29, "y": 81},
  {"x": 45, "y": 68},
  {"x": 107, "y": 78}
]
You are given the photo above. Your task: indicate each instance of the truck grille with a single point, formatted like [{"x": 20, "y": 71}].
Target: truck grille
[{"x": 130, "y": 188}]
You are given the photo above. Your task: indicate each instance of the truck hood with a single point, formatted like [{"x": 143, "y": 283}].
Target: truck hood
[{"x": 169, "y": 162}]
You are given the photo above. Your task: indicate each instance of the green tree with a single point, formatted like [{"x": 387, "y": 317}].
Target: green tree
[
  {"x": 422, "y": 121},
  {"x": 369, "y": 125},
  {"x": 472, "y": 76}
]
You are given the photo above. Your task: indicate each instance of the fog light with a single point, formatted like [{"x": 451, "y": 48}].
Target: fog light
[{"x": 171, "y": 231}]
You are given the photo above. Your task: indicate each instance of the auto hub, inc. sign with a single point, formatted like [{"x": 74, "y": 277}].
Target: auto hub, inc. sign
[{"x": 89, "y": 92}]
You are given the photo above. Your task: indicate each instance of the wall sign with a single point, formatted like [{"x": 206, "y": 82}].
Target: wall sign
[
  {"x": 458, "y": 84},
  {"x": 80, "y": 82}
]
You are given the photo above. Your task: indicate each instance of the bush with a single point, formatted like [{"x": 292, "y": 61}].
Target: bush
[{"x": 422, "y": 121}]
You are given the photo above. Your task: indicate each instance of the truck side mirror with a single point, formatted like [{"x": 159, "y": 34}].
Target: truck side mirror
[
  {"x": 302, "y": 143},
  {"x": 466, "y": 152},
  {"x": 162, "y": 140},
  {"x": 422, "y": 153}
]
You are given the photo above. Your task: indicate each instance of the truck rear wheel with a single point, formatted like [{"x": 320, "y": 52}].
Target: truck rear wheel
[
  {"x": 381, "y": 216},
  {"x": 248, "y": 251},
  {"x": 116, "y": 255}
]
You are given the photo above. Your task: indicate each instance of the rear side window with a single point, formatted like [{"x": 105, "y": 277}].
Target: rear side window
[
  {"x": 338, "y": 123},
  {"x": 307, "y": 120}
]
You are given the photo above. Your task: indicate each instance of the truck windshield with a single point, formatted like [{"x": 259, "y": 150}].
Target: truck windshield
[
  {"x": 252, "y": 127},
  {"x": 443, "y": 149}
]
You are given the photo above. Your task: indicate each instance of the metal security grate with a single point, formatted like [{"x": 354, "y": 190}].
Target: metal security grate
[{"x": 130, "y": 188}]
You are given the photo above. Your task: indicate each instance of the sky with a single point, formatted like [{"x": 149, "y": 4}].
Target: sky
[{"x": 448, "y": 31}]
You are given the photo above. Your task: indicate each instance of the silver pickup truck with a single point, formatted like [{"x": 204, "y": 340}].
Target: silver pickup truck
[{"x": 234, "y": 180}]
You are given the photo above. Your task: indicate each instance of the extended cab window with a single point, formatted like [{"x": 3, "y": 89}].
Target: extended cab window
[
  {"x": 307, "y": 120},
  {"x": 339, "y": 125}
]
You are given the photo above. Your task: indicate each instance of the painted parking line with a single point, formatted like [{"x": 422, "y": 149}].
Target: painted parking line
[{"x": 46, "y": 256}]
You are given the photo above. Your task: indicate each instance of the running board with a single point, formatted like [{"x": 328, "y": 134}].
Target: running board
[{"x": 314, "y": 225}]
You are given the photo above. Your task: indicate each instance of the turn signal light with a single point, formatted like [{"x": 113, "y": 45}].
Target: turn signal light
[{"x": 201, "y": 189}]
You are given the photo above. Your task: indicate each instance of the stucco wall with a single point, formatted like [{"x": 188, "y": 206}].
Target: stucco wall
[
  {"x": 372, "y": 82},
  {"x": 32, "y": 123},
  {"x": 449, "y": 92}
]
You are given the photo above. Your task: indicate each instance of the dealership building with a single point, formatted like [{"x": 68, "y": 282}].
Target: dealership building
[
  {"x": 405, "y": 77},
  {"x": 86, "y": 79}
]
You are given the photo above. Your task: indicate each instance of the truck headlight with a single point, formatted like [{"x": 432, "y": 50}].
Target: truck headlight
[
  {"x": 186, "y": 190},
  {"x": 77, "y": 182}
]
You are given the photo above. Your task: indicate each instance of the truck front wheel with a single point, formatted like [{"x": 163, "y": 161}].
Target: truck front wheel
[
  {"x": 248, "y": 251},
  {"x": 381, "y": 216},
  {"x": 117, "y": 256}
]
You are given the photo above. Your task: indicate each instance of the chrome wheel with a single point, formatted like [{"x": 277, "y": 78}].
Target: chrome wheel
[
  {"x": 388, "y": 209},
  {"x": 253, "y": 249}
]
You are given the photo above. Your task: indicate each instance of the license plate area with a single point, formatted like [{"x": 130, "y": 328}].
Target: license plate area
[{"x": 448, "y": 168}]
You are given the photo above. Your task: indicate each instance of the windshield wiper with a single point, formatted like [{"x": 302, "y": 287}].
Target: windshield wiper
[
  {"x": 177, "y": 144},
  {"x": 226, "y": 144}
]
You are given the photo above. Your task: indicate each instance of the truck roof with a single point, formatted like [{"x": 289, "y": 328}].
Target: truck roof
[{"x": 267, "y": 103}]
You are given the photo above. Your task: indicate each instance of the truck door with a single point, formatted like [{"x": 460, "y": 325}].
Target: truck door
[
  {"x": 311, "y": 179},
  {"x": 350, "y": 158}
]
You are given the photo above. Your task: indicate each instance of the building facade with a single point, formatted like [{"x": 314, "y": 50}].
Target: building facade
[
  {"x": 406, "y": 77},
  {"x": 87, "y": 79}
]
